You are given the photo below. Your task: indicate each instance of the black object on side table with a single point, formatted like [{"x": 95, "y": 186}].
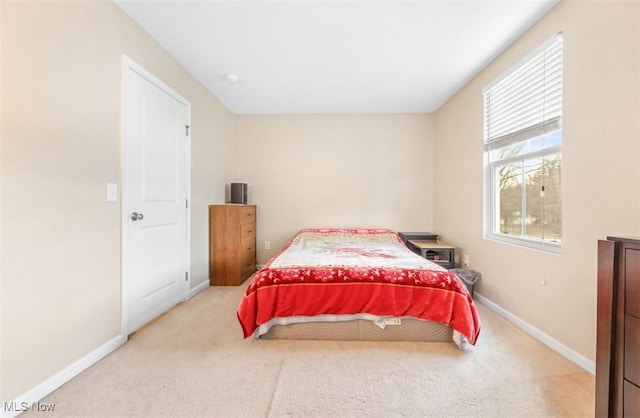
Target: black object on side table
[{"x": 423, "y": 236}]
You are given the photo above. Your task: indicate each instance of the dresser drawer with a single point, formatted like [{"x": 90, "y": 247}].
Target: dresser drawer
[
  {"x": 247, "y": 252},
  {"x": 247, "y": 214},
  {"x": 247, "y": 270},
  {"x": 248, "y": 263},
  {"x": 632, "y": 282},
  {"x": 248, "y": 233},
  {"x": 632, "y": 349},
  {"x": 631, "y": 400}
]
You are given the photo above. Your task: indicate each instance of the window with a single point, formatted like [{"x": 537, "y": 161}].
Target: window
[{"x": 523, "y": 151}]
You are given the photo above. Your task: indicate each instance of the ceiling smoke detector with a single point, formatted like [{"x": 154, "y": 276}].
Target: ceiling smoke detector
[{"x": 232, "y": 78}]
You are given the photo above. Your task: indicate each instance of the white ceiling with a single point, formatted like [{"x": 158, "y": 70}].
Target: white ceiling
[{"x": 335, "y": 56}]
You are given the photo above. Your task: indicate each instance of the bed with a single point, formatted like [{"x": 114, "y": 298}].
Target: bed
[{"x": 356, "y": 284}]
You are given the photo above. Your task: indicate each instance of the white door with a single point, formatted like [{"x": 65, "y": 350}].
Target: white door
[{"x": 155, "y": 206}]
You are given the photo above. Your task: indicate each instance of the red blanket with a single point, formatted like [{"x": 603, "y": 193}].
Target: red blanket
[{"x": 352, "y": 271}]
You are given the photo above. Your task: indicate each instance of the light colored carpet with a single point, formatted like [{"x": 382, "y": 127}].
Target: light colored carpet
[{"x": 193, "y": 362}]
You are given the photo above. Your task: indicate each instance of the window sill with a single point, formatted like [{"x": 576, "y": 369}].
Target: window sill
[{"x": 533, "y": 244}]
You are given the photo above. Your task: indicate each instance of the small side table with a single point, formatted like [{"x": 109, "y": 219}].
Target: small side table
[
  {"x": 421, "y": 236},
  {"x": 439, "y": 252}
]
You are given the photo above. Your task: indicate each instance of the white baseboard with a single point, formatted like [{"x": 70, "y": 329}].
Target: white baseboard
[
  {"x": 33, "y": 396},
  {"x": 199, "y": 288},
  {"x": 545, "y": 339}
]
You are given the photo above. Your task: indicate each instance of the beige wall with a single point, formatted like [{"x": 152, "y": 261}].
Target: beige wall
[
  {"x": 600, "y": 172},
  {"x": 335, "y": 170},
  {"x": 61, "y": 121},
  {"x": 60, "y": 145}
]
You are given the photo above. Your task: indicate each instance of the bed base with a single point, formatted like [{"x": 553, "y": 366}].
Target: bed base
[{"x": 413, "y": 330}]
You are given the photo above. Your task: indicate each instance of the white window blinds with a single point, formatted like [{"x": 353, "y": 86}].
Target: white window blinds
[{"x": 526, "y": 102}]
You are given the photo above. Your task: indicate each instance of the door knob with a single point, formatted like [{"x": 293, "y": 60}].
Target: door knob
[{"x": 135, "y": 216}]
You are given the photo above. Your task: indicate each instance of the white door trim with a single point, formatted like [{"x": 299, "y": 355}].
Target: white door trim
[{"x": 128, "y": 65}]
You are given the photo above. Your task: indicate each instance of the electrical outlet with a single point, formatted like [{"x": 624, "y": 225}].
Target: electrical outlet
[
  {"x": 267, "y": 245},
  {"x": 465, "y": 260}
]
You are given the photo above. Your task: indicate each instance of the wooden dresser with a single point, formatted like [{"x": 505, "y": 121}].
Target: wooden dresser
[
  {"x": 232, "y": 244},
  {"x": 618, "y": 328}
]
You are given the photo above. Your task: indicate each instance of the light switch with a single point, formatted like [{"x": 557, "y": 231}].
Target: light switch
[{"x": 112, "y": 192}]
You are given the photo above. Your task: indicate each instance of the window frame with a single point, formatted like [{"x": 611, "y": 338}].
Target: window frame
[{"x": 491, "y": 180}]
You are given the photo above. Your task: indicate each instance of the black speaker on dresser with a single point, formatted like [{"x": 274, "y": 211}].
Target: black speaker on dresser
[{"x": 239, "y": 193}]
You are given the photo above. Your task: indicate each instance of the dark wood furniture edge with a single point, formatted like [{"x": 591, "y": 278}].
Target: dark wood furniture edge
[{"x": 605, "y": 328}]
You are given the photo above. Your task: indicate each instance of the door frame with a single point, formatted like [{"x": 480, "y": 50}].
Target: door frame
[{"x": 130, "y": 66}]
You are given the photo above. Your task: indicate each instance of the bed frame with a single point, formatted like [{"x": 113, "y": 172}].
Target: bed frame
[{"x": 414, "y": 330}]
